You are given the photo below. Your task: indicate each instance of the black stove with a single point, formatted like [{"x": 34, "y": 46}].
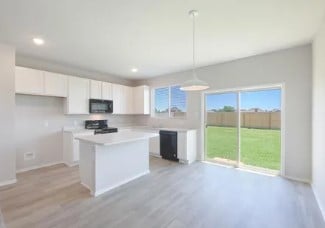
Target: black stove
[
  {"x": 100, "y": 126},
  {"x": 106, "y": 130}
]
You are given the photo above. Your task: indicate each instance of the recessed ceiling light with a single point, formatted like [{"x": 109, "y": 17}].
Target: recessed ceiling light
[
  {"x": 38, "y": 41},
  {"x": 134, "y": 70}
]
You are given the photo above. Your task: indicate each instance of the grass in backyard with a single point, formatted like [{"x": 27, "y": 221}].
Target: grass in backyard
[{"x": 259, "y": 147}]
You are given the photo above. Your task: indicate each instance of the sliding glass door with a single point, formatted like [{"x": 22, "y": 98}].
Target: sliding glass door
[
  {"x": 261, "y": 129},
  {"x": 221, "y": 127},
  {"x": 243, "y": 128}
]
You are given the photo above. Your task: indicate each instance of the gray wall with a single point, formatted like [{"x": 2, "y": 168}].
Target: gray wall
[
  {"x": 40, "y": 119},
  {"x": 291, "y": 66},
  {"x": 7, "y": 111},
  {"x": 318, "y": 182}
]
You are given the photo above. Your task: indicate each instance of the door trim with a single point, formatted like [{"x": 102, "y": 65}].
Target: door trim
[{"x": 281, "y": 86}]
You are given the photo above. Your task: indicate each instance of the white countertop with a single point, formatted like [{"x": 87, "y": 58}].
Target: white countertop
[
  {"x": 133, "y": 128},
  {"x": 157, "y": 129},
  {"x": 175, "y": 129},
  {"x": 116, "y": 138},
  {"x": 77, "y": 130}
]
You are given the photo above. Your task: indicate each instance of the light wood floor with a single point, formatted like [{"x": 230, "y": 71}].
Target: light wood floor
[{"x": 172, "y": 195}]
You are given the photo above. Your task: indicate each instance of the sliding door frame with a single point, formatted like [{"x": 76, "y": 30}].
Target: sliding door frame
[{"x": 238, "y": 91}]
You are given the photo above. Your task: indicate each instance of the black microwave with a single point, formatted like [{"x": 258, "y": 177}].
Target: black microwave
[{"x": 100, "y": 106}]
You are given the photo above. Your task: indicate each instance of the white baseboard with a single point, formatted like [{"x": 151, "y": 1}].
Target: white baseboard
[
  {"x": 4, "y": 183},
  {"x": 322, "y": 209},
  {"x": 38, "y": 166},
  {"x": 155, "y": 155},
  {"x": 71, "y": 164},
  {"x": 185, "y": 162},
  {"x": 86, "y": 186},
  {"x": 297, "y": 179},
  {"x": 101, "y": 191}
]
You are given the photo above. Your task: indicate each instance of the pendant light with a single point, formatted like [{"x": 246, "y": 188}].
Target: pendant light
[{"x": 194, "y": 84}]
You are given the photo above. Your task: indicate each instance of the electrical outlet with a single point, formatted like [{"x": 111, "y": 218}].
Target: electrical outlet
[{"x": 29, "y": 156}]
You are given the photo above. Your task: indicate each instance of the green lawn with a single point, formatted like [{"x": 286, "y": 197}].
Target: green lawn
[{"x": 259, "y": 147}]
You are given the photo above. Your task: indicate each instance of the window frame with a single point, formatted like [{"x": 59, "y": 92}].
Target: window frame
[{"x": 153, "y": 105}]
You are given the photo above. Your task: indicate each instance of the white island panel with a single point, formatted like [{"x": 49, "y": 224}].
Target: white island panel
[
  {"x": 126, "y": 162},
  {"x": 87, "y": 165},
  {"x": 110, "y": 160}
]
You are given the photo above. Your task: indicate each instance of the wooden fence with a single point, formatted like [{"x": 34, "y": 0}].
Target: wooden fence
[{"x": 261, "y": 120}]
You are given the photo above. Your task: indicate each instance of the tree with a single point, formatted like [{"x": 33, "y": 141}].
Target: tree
[{"x": 227, "y": 109}]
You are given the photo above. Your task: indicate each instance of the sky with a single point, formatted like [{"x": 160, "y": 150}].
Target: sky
[
  {"x": 263, "y": 99},
  {"x": 178, "y": 98}
]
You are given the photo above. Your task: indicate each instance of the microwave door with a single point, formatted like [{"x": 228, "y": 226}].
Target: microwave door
[{"x": 100, "y": 106}]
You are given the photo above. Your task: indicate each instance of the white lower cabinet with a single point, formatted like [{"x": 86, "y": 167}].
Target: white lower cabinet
[
  {"x": 71, "y": 146},
  {"x": 186, "y": 143},
  {"x": 77, "y": 101},
  {"x": 186, "y": 146}
]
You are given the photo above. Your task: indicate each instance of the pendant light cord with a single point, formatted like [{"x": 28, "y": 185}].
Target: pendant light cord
[
  {"x": 194, "y": 83},
  {"x": 194, "y": 63}
]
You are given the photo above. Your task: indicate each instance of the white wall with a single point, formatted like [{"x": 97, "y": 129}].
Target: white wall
[
  {"x": 7, "y": 108},
  {"x": 292, "y": 67},
  {"x": 318, "y": 182}
]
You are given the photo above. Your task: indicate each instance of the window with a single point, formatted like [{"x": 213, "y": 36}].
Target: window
[
  {"x": 169, "y": 102},
  {"x": 162, "y": 102},
  {"x": 177, "y": 102}
]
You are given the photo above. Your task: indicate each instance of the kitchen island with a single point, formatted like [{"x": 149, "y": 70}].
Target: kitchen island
[{"x": 110, "y": 160}]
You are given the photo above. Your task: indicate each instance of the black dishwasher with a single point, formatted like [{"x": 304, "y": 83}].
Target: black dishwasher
[{"x": 168, "y": 145}]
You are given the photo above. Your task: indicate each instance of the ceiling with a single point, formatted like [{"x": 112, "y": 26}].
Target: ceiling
[{"x": 114, "y": 36}]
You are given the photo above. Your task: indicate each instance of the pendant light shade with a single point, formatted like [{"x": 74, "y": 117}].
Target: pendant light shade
[{"x": 194, "y": 84}]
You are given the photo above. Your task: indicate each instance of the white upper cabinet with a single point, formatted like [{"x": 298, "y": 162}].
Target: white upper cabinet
[
  {"x": 29, "y": 81},
  {"x": 78, "y": 91},
  {"x": 121, "y": 99},
  {"x": 107, "y": 91},
  {"x": 55, "y": 84},
  {"x": 95, "y": 89},
  {"x": 128, "y": 100},
  {"x": 77, "y": 101},
  {"x": 141, "y": 100},
  {"x": 118, "y": 97},
  {"x": 101, "y": 90},
  {"x": 131, "y": 100},
  {"x": 37, "y": 82}
]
